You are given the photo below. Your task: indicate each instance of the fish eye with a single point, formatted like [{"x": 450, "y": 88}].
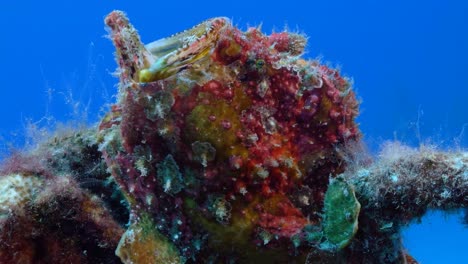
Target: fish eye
[{"x": 260, "y": 63}]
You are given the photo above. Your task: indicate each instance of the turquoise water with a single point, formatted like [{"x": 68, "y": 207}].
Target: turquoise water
[{"x": 409, "y": 62}]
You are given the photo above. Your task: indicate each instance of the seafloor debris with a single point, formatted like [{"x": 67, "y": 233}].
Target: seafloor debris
[{"x": 223, "y": 147}]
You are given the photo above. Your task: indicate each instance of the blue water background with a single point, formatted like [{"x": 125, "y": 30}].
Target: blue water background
[{"x": 409, "y": 61}]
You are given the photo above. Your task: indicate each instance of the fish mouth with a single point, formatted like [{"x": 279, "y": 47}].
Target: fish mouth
[{"x": 178, "y": 51}]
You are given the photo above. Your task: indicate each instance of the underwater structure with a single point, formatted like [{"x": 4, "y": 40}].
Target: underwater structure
[{"x": 223, "y": 146}]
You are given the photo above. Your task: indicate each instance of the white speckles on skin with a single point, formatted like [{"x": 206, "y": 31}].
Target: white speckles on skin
[
  {"x": 252, "y": 138},
  {"x": 131, "y": 188},
  {"x": 271, "y": 162},
  {"x": 268, "y": 121},
  {"x": 243, "y": 191},
  {"x": 167, "y": 185},
  {"x": 262, "y": 88},
  {"x": 270, "y": 125},
  {"x": 304, "y": 200},
  {"x": 222, "y": 210},
  {"x": 266, "y": 237},
  {"x": 149, "y": 199},
  {"x": 262, "y": 173},
  {"x": 140, "y": 165},
  {"x": 288, "y": 161},
  {"x": 158, "y": 110}
]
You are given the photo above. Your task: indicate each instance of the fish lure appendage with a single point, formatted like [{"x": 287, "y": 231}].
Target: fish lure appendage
[{"x": 176, "y": 52}]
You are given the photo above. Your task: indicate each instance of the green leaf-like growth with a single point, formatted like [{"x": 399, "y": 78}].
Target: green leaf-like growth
[
  {"x": 142, "y": 243},
  {"x": 169, "y": 175},
  {"x": 341, "y": 211}
]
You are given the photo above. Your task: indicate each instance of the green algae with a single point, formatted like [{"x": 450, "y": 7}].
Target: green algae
[
  {"x": 142, "y": 243},
  {"x": 341, "y": 211}
]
